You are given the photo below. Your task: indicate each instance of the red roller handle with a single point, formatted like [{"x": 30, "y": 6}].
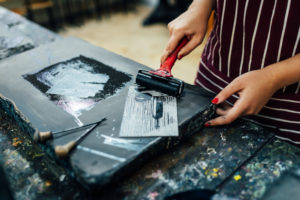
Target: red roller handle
[{"x": 166, "y": 66}]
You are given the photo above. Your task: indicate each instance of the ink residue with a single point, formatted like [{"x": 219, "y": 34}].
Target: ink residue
[
  {"x": 163, "y": 179},
  {"x": 146, "y": 115},
  {"x": 102, "y": 154},
  {"x": 76, "y": 85},
  {"x": 129, "y": 144},
  {"x": 10, "y": 46}
]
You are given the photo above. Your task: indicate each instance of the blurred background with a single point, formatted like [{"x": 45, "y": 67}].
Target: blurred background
[{"x": 136, "y": 29}]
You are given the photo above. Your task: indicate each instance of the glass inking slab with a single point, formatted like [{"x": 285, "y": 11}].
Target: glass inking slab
[{"x": 76, "y": 85}]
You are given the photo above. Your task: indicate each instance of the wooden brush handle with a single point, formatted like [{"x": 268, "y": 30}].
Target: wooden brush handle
[
  {"x": 42, "y": 136},
  {"x": 63, "y": 151}
]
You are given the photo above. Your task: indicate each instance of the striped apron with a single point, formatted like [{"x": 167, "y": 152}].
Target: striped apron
[{"x": 249, "y": 35}]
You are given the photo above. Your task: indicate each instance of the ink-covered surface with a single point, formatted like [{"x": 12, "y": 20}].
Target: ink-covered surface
[
  {"x": 12, "y": 42},
  {"x": 18, "y": 35},
  {"x": 22, "y": 26},
  {"x": 102, "y": 157}
]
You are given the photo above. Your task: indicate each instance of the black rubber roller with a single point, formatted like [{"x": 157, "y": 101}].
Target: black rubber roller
[{"x": 170, "y": 86}]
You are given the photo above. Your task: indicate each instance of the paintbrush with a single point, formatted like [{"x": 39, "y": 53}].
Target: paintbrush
[
  {"x": 63, "y": 151},
  {"x": 46, "y": 135}
]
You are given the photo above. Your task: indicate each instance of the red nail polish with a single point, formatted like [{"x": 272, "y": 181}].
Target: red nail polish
[
  {"x": 215, "y": 101},
  {"x": 207, "y": 124},
  {"x": 179, "y": 57}
]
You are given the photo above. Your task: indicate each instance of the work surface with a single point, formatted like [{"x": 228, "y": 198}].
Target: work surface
[
  {"x": 202, "y": 161},
  {"x": 242, "y": 160}
]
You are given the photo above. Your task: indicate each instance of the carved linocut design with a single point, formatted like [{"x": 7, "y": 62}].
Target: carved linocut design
[
  {"x": 148, "y": 115},
  {"x": 78, "y": 84}
]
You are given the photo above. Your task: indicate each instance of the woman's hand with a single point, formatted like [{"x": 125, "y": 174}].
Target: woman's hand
[
  {"x": 254, "y": 89},
  {"x": 192, "y": 24}
]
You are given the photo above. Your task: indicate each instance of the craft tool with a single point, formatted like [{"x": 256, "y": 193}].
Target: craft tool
[
  {"x": 46, "y": 135},
  {"x": 64, "y": 150},
  {"x": 161, "y": 79}
]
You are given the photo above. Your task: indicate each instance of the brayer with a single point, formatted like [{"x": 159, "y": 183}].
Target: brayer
[{"x": 162, "y": 78}]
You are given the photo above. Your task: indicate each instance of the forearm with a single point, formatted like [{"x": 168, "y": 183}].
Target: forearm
[
  {"x": 285, "y": 72},
  {"x": 204, "y": 7},
  {"x": 191, "y": 24}
]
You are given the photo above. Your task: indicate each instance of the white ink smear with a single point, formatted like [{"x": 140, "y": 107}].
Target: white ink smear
[
  {"x": 129, "y": 144},
  {"x": 100, "y": 153},
  {"x": 76, "y": 81},
  {"x": 76, "y": 85}
]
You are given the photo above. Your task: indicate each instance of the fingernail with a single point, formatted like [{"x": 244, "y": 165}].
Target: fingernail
[
  {"x": 207, "y": 124},
  {"x": 179, "y": 57},
  {"x": 215, "y": 101}
]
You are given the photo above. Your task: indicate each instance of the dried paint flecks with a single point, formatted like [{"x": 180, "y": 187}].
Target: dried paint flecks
[
  {"x": 78, "y": 84},
  {"x": 211, "y": 151},
  {"x": 223, "y": 138},
  {"x": 155, "y": 174},
  {"x": 146, "y": 115},
  {"x": 189, "y": 177},
  {"x": 152, "y": 195},
  {"x": 202, "y": 164},
  {"x": 237, "y": 177},
  {"x": 264, "y": 171},
  {"x": 160, "y": 176},
  {"x": 222, "y": 197},
  {"x": 48, "y": 183},
  {"x": 20, "y": 166},
  {"x": 16, "y": 142},
  {"x": 193, "y": 173}
]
